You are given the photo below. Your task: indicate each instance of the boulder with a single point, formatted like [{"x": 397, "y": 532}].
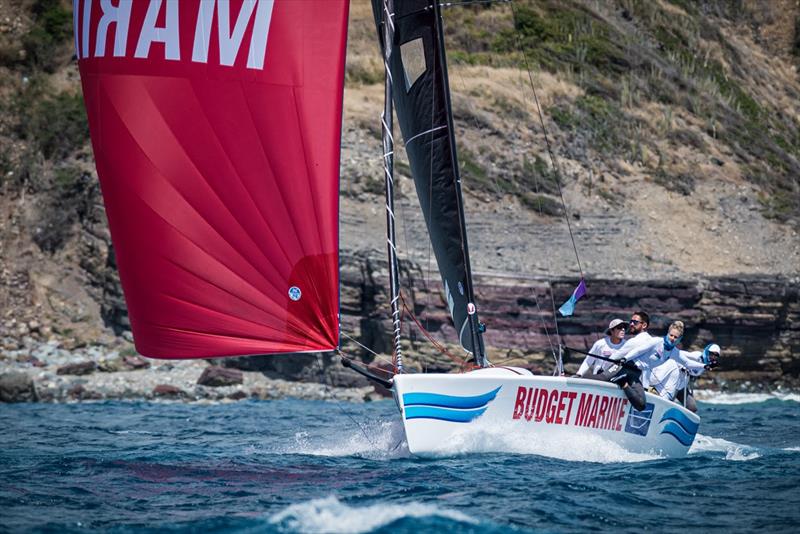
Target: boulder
[
  {"x": 220, "y": 376},
  {"x": 80, "y": 368},
  {"x": 135, "y": 362},
  {"x": 16, "y": 386},
  {"x": 79, "y": 392},
  {"x": 168, "y": 391},
  {"x": 238, "y": 395}
]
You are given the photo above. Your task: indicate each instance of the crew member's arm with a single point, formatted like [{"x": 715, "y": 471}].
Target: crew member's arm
[
  {"x": 589, "y": 361},
  {"x": 691, "y": 365},
  {"x": 697, "y": 356},
  {"x": 642, "y": 349}
]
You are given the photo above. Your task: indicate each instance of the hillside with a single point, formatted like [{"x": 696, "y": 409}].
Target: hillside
[{"x": 675, "y": 126}]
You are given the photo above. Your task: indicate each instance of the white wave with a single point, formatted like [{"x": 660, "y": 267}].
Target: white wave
[
  {"x": 739, "y": 454},
  {"x": 792, "y": 449},
  {"x": 490, "y": 436},
  {"x": 733, "y": 451},
  {"x": 381, "y": 439},
  {"x": 716, "y": 397},
  {"x": 329, "y": 515}
]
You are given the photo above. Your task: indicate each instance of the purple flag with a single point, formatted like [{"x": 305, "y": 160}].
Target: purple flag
[{"x": 568, "y": 308}]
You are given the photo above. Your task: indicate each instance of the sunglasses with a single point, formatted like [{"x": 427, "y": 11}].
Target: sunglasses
[
  {"x": 635, "y": 322},
  {"x": 620, "y": 327}
]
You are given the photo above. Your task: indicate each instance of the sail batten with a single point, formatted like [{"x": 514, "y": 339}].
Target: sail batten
[{"x": 216, "y": 128}]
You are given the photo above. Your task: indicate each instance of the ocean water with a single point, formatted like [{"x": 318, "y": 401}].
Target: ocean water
[{"x": 302, "y": 466}]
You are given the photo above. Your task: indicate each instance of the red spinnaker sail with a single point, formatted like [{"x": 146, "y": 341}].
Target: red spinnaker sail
[{"x": 216, "y": 132}]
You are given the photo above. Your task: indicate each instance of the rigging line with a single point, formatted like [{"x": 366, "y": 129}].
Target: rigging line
[
  {"x": 553, "y": 161},
  {"x": 544, "y": 325},
  {"x": 339, "y": 404},
  {"x": 428, "y": 335},
  {"x": 377, "y": 356}
]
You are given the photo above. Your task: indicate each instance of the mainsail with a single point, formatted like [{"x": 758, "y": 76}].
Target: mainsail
[
  {"x": 422, "y": 105},
  {"x": 216, "y": 130}
]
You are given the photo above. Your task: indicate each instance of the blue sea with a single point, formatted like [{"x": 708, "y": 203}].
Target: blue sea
[{"x": 303, "y": 466}]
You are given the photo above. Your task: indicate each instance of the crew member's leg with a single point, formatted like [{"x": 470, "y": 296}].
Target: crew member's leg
[{"x": 628, "y": 380}]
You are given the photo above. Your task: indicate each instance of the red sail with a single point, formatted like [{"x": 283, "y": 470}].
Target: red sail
[{"x": 216, "y": 130}]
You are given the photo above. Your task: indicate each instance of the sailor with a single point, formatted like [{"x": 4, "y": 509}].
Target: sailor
[
  {"x": 648, "y": 356},
  {"x": 627, "y": 376},
  {"x": 598, "y": 369},
  {"x": 671, "y": 380}
]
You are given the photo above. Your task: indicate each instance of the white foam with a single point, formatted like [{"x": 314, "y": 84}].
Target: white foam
[
  {"x": 792, "y": 449},
  {"x": 733, "y": 451},
  {"x": 739, "y": 454},
  {"x": 379, "y": 439},
  {"x": 716, "y": 397},
  {"x": 485, "y": 436},
  {"x": 329, "y": 515}
]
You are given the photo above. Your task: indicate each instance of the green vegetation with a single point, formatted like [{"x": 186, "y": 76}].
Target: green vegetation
[
  {"x": 52, "y": 124},
  {"x": 537, "y": 176},
  {"x": 70, "y": 201},
  {"x": 680, "y": 183},
  {"x": 544, "y": 204},
  {"x": 44, "y": 43},
  {"x": 558, "y": 36}
]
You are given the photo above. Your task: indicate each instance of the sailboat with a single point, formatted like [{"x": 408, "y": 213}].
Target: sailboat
[{"x": 216, "y": 130}]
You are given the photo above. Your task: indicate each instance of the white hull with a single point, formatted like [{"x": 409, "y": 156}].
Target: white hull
[{"x": 439, "y": 410}]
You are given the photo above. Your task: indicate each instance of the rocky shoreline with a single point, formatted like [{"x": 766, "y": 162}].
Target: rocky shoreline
[{"x": 36, "y": 371}]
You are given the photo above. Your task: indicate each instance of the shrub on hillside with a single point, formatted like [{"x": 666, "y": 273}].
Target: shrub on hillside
[{"x": 49, "y": 36}]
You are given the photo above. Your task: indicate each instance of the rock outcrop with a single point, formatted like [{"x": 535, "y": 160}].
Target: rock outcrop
[{"x": 16, "y": 386}]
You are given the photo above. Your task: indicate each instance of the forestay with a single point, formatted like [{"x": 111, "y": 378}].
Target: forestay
[{"x": 216, "y": 131}]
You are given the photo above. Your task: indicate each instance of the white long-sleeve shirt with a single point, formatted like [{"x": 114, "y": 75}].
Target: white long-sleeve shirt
[
  {"x": 650, "y": 355},
  {"x": 637, "y": 341},
  {"x": 602, "y": 347},
  {"x": 671, "y": 377}
]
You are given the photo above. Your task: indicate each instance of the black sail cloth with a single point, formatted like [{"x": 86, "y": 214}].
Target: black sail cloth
[{"x": 420, "y": 95}]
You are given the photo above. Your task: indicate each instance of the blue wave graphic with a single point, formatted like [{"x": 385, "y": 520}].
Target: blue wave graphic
[
  {"x": 449, "y": 401},
  {"x": 443, "y": 414},
  {"x": 673, "y": 414},
  {"x": 677, "y": 432}
]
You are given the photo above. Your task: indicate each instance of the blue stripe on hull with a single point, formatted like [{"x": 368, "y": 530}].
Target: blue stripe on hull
[
  {"x": 442, "y": 414},
  {"x": 449, "y": 401},
  {"x": 674, "y": 414},
  {"x": 677, "y": 432}
]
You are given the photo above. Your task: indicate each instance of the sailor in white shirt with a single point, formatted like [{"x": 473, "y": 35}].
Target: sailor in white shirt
[
  {"x": 614, "y": 339},
  {"x": 650, "y": 355},
  {"x": 671, "y": 379},
  {"x": 628, "y": 376}
]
